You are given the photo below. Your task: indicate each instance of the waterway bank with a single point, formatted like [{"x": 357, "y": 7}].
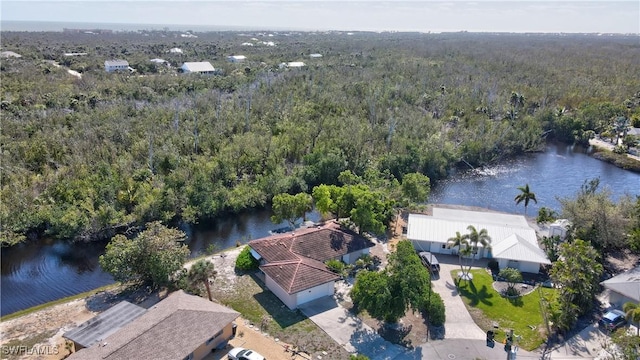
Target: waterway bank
[
  {"x": 47, "y": 270},
  {"x": 603, "y": 151}
]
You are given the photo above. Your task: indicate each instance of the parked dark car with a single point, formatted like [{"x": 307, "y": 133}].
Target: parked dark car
[
  {"x": 612, "y": 320},
  {"x": 430, "y": 261}
]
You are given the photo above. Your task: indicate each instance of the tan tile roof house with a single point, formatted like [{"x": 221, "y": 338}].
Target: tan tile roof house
[
  {"x": 181, "y": 326},
  {"x": 293, "y": 263}
]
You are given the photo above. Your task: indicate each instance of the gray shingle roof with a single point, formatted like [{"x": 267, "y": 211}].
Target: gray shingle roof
[
  {"x": 104, "y": 324},
  {"x": 171, "y": 329}
]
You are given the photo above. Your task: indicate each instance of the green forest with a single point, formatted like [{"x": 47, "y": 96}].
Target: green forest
[{"x": 86, "y": 157}]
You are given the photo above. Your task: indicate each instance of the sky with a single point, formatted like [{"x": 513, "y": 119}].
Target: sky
[{"x": 355, "y": 15}]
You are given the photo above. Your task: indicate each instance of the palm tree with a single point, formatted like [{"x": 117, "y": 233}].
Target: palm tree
[
  {"x": 462, "y": 243},
  {"x": 201, "y": 272},
  {"x": 517, "y": 100},
  {"x": 632, "y": 311},
  {"x": 478, "y": 238},
  {"x": 525, "y": 195},
  {"x": 621, "y": 125}
]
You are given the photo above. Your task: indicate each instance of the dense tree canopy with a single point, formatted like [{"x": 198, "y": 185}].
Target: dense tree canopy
[
  {"x": 607, "y": 225},
  {"x": 87, "y": 157},
  {"x": 290, "y": 207},
  {"x": 153, "y": 256},
  {"x": 402, "y": 285},
  {"x": 577, "y": 274}
]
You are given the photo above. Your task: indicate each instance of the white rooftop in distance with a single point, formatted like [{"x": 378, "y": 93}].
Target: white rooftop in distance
[{"x": 203, "y": 66}]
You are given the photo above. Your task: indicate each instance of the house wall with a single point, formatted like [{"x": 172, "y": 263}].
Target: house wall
[
  {"x": 617, "y": 300},
  {"x": 317, "y": 292},
  {"x": 432, "y": 247},
  {"x": 351, "y": 258},
  {"x": 289, "y": 300},
  {"x": 110, "y": 68},
  {"x": 523, "y": 266},
  {"x": 203, "y": 350}
]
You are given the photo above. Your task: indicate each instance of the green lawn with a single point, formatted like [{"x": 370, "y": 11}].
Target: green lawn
[
  {"x": 487, "y": 306},
  {"x": 256, "y": 303}
]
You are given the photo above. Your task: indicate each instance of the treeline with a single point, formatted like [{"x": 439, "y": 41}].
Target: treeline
[{"x": 86, "y": 158}]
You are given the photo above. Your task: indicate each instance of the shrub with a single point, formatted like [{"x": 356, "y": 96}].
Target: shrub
[
  {"x": 619, "y": 149},
  {"x": 512, "y": 277},
  {"x": 434, "y": 308},
  {"x": 246, "y": 261},
  {"x": 358, "y": 357},
  {"x": 546, "y": 215},
  {"x": 336, "y": 266}
]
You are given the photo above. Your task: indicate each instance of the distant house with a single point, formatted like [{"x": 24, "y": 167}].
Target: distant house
[
  {"x": 8, "y": 54},
  {"x": 513, "y": 243},
  {"x": 175, "y": 50},
  {"x": 116, "y": 65},
  {"x": 247, "y": 44},
  {"x": 315, "y": 56},
  {"x": 293, "y": 263},
  {"x": 624, "y": 288},
  {"x": 76, "y": 54},
  {"x": 236, "y": 58},
  {"x": 181, "y": 326},
  {"x": 160, "y": 62},
  {"x": 203, "y": 67},
  {"x": 292, "y": 64}
]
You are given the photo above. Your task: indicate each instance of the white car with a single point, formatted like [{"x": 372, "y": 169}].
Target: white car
[{"x": 244, "y": 354}]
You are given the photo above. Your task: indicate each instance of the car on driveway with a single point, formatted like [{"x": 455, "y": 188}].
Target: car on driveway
[
  {"x": 430, "y": 261},
  {"x": 612, "y": 320},
  {"x": 244, "y": 354}
]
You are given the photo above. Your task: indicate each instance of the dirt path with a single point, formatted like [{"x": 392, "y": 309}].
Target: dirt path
[
  {"x": 609, "y": 146},
  {"x": 43, "y": 329},
  {"x": 71, "y": 72}
]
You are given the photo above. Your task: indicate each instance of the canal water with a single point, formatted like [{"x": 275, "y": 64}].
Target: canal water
[{"x": 35, "y": 273}]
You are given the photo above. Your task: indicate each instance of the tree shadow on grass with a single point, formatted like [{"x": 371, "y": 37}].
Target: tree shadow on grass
[
  {"x": 516, "y": 301},
  {"x": 476, "y": 296}
]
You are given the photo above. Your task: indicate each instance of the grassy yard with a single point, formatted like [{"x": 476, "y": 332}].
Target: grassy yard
[
  {"x": 487, "y": 306},
  {"x": 257, "y": 304}
]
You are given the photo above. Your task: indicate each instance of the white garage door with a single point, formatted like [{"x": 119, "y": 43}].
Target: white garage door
[{"x": 315, "y": 293}]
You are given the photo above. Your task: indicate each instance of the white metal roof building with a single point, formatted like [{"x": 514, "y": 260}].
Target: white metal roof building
[
  {"x": 236, "y": 58},
  {"x": 203, "y": 67},
  {"x": 513, "y": 243},
  {"x": 116, "y": 65}
]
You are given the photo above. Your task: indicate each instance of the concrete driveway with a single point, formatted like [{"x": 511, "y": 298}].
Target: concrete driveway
[
  {"x": 458, "y": 323},
  {"x": 587, "y": 344},
  {"x": 351, "y": 333}
]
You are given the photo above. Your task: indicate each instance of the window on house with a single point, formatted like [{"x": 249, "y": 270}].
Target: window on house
[
  {"x": 210, "y": 340},
  {"x": 444, "y": 246}
]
